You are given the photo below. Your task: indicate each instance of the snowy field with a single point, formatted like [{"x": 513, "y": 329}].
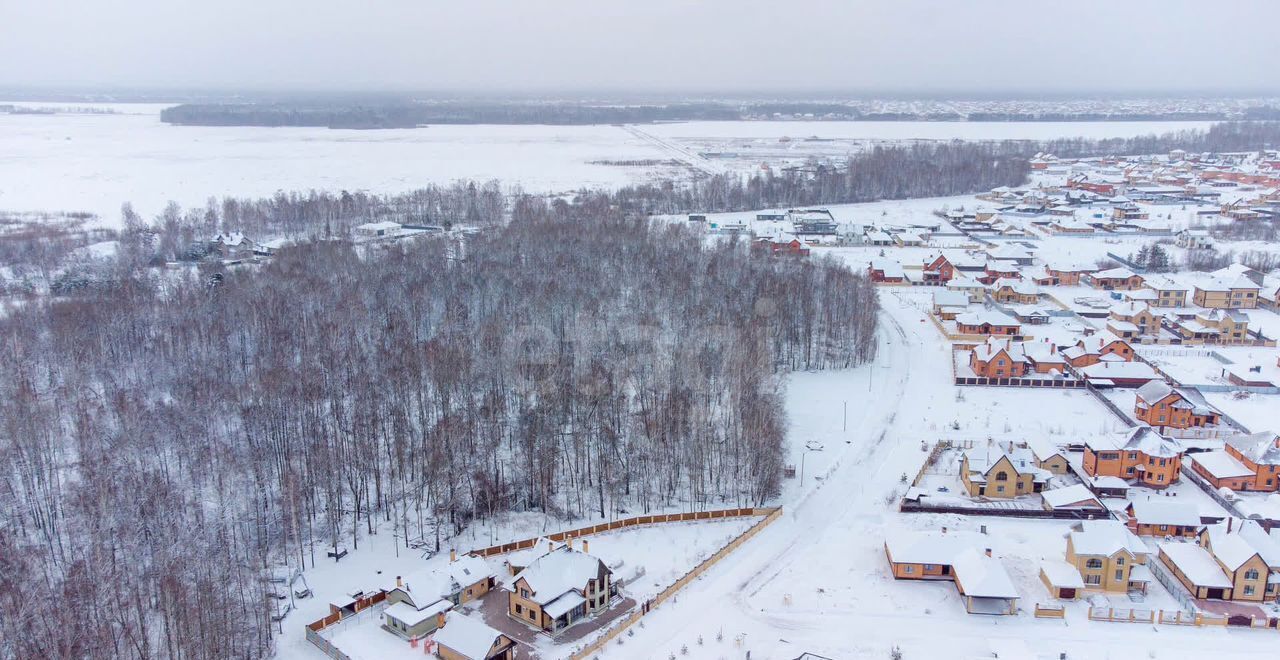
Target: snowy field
[
  {"x": 94, "y": 162},
  {"x": 918, "y": 130}
]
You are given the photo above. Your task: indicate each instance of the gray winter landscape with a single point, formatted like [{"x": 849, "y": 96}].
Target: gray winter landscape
[{"x": 600, "y": 330}]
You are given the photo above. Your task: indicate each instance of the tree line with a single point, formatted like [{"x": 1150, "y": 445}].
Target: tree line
[{"x": 171, "y": 436}]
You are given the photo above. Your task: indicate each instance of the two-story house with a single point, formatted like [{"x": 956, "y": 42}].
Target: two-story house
[
  {"x": 1139, "y": 455},
  {"x": 1164, "y": 406},
  {"x": 560, "y": 589}
]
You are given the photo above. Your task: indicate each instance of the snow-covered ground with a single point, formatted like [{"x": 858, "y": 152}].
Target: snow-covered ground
[
  {"x": 817, "y": 579},
  {"x": 75, "y": 161}
]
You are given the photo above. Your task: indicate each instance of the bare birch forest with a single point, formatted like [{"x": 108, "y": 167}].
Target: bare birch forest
[{"x": 169, "y": 436}]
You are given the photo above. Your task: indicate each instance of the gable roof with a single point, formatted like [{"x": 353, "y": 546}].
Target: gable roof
[
  {"x": 1063, "y": 497},
  {"x": 1105, "y": 538},
  {"x": 1260, "y": 448},
  {"x": 1232, "y": 550},
  {"x": 555, "y": 573},
  {"x": 1197, "y": 564},
  {"x": 1153, "y": 512},
  {"x": 981, "y": 576},
  {"x": 1138, "y": 438},
  {"x": 469, "y": 637}
]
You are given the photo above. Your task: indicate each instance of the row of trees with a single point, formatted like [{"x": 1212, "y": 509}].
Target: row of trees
[{"x": 168, "y": 437}]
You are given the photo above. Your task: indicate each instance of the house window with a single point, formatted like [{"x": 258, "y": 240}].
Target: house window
[
  {"x": 524, "y": 593},
  {"x": 1093, "y": 579},
  {"x": 1119, "y": 575},
  {"x": 1164, "y": 528},
  {"x": 1251, "y": 574},
  {"x": 1119, "y": 561},
  {"x": 1159, "y": 477},
  {"x": 999, "y": 489},
  {"x": 930, "y": 567},
  {"x": 519, "y": 609},
  {"x": 1002, "y": 476},
  {"x": 908, "y": 569},
  {"x": 531, "y": 616},
  {"x": 1093, "y": 563},
  {"x": 1248, "y": 590}
]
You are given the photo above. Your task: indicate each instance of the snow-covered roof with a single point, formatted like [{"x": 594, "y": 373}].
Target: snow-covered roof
[
  {"x": 1157, "y": 390},
  {"x": 1043, "y": 449},
  {"x": 948, "y": 298},
  {"x": 1266, "y": 544},
  {"x": 565, "y": 603},
  {"x": 983, "y": 458},
  {"x": 981, "y": 576},
  {"x": 889, "y": 267},
  {"x": 988, "y": 317},
  {"x": 445, "y": 581},
  {"x": 412, "y": 616},
  {"x": 384, "y": 225},
  {"x": 1155, "y": 512},
  {"x": 1261, "y": 448},
  {"x": 1232, "y": 550},
  {"x": 1237, "y": 283},
  {"x": 556, "y": 573},
  {"x": 1197, "y": 564},
  {"x": 1061, "y": 574},
  {"x": 1138, "y": 438},
  {"x": 1221, "y": 465},
  {"x": 1120, "y": 369},
  {"x": 1105, "y": 538},
  {"x": 522, "y": 558},
  {"x": 467, "y": 636},
  {"x": 1077, "y": 495},
  {"x": 912, "y": 547},
  {"x": 1113, "y": 273}
]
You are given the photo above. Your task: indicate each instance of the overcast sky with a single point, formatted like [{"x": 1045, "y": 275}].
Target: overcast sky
[{"x": 498, "y": 46}]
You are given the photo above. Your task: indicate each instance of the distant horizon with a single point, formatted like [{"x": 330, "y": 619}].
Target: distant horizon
[{"x": 165, "y": 93}]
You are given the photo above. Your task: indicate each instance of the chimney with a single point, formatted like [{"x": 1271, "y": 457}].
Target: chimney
[
  {"x": 586, "y": 546},
  {"x": 453, "y": 556},
  {"x": 399, "y": 582},
  {"x": 988, "y": 552},
  {"x": 569, "y": 542},
  {"x": 551, "y": 545},
  {"x": 1229, "y": 521}
]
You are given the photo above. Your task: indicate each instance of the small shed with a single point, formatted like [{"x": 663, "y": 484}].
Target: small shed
[{"x": 1061, "y": 579}]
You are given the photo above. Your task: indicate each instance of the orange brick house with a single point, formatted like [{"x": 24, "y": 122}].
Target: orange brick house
[
  {"x": 1098, "y": 348},
  {"x": 1005, "y": 358},
  {"x": 1245, "y": 463},
  {"x": 987, "y": 323},
  {"x": 1161, "y": 518},
  {"x": 1139, "y": 455},
  {"x": 1162, "y": 405},
  {"x": 1114, "y": 279},
  {"x": 950, "y": 264},
  {"x": 979, "y": 577},
  {"x": 1068, "y": 275}
]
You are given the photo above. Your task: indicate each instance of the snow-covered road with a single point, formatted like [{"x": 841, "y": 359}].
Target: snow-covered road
[{"x": 816, "y": 579}]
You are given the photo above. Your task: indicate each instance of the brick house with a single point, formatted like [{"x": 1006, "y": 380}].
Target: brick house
[
  {"x": 1161, "y": 405},
  {"x": 1139, "y": 455}
]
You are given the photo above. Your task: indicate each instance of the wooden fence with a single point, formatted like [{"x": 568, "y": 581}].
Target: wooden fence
[
  {"x": 770, "y": 514},
  {"x": 1050, "y": 611},
  {"x": 1178, "y": 618},
  {"x": 619, "y": 524}
]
